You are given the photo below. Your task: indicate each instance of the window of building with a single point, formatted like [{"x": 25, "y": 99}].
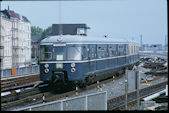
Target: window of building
[{"x": 80, "y": 31}]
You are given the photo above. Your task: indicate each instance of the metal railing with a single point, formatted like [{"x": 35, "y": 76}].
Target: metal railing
[
  {"x": 94, "y": 101},
  {"x": 20, "y": 71}
]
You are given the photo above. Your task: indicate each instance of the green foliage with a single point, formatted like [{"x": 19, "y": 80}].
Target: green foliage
[
  {"x": 36, "y": 31},
  {"x": 47, "y": 32}
]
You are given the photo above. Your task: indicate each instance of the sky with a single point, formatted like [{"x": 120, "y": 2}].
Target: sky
[{"x": 127, "y": 19}]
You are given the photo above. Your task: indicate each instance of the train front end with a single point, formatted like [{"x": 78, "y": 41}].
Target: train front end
[
  {"x": 51, "y": 63},
  {"x": 57, "y": 63}
]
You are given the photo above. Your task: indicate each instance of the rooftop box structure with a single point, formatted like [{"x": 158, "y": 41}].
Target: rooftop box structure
[{"x": 69, "y": 29}]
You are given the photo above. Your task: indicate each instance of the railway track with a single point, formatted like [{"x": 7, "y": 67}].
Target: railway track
[
  {"x": 156, "y": 78},
  {"x": 49, "y": 96},
  {"x": 23, "y": 93},
  {"x": 16, "y": 82},
  {"x": 119, "y": 102},
  {"x": 40, "y": 97}
]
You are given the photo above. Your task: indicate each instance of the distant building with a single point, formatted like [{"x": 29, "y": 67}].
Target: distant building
[
  {"x": 35, "y": 41},
  {"x": 157, "y": 47},
  {"x": 152, "y": 47},
  {"x": 69, "y": 29},
  {"x": 15, "y": 40}
]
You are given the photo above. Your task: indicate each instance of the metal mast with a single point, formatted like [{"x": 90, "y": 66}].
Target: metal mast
[
  {"x": 141, "y": 43},
  {"x": 60, "y": 18}
]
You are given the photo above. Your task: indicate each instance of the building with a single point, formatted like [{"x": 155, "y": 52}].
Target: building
[
  {"x": 5, "y": 41},
  {"x": 35, "y": 46},
  {"x": 15, "y": 40},
  {"x": 152, "y": 47},
  {"x": 69, "y": 29}
]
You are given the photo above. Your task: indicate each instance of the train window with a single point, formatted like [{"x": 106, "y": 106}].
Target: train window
[
  {"x": 112, "y": 50},
  {"x": 102, "y": 52},
  {"x": 48, "y": 55},
  {"x": 74, "y": 53},
  {"x": 131, "y": 49},
  {"x": 84, "y": 53},
  {"x": 121, "y": 50},
  {"x": 59, "y": 53},
  {"x": 92, "y": 52},
  {"x": 127, "y": 50},
  {"x": 45, "y": 53},
  {"x": 134, "y": 49}
]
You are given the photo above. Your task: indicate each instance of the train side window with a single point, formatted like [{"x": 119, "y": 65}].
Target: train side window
[
  {"x": 74, "y": 53},
  {"x": 102, "y": 51},
  {"x": 121, "y": 49},
  {"x": 131, "y": 49},
  {"x": 84, "y": 53},
  {"x": 134, "y": 49},
  {"x": 127, "y": 50},
  {"x": 99, "y": 52},
  {"x": 92, "y": 53},
  {"x": 112, "y": 50},
  {"x": 116, "y": 53}
]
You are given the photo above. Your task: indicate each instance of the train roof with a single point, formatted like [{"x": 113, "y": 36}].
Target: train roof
[{"x": 84, "y": 39}]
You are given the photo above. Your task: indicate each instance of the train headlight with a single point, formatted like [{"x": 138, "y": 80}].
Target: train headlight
[
  {"x": 73, "y": 70},
  {"x": 59, "y": 66},
  {"x": 46, "y": 65},
  {"x": 72, "y": 64},
  {"x": 46, "y": 70}
]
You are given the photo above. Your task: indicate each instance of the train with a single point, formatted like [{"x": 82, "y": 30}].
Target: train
[{"x": 81, "y": 60}]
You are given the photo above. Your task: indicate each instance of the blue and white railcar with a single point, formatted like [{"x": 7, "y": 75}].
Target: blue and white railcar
[{"x": 82, "y": 59}]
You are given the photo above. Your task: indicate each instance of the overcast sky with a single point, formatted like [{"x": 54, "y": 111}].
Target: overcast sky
[{"x": 116, "y": 18}]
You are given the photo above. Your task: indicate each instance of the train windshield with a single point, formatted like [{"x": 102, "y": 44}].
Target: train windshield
[
  {"x": 59, "y": 53},
  {"x": 52, "y": 53},
  {"x": 45, "y": 53}
]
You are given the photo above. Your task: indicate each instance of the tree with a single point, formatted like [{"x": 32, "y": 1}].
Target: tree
[
  {"x": 36, "y": 31},
  {"x": 47, "y": 32}
]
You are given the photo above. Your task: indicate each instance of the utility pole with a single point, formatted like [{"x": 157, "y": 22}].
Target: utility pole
[
  {"x": 141, "y": 43},
  {"x": 60, "y": 18},
  {"x": 165, "y": 46},
  {"x": 137, "y": 88},
  {"x": 126, "y": 90}
]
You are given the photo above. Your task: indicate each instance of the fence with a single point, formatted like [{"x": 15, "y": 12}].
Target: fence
[
  {"x": 20, "y": 71},
  {"x": 95, "y": 101}
]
